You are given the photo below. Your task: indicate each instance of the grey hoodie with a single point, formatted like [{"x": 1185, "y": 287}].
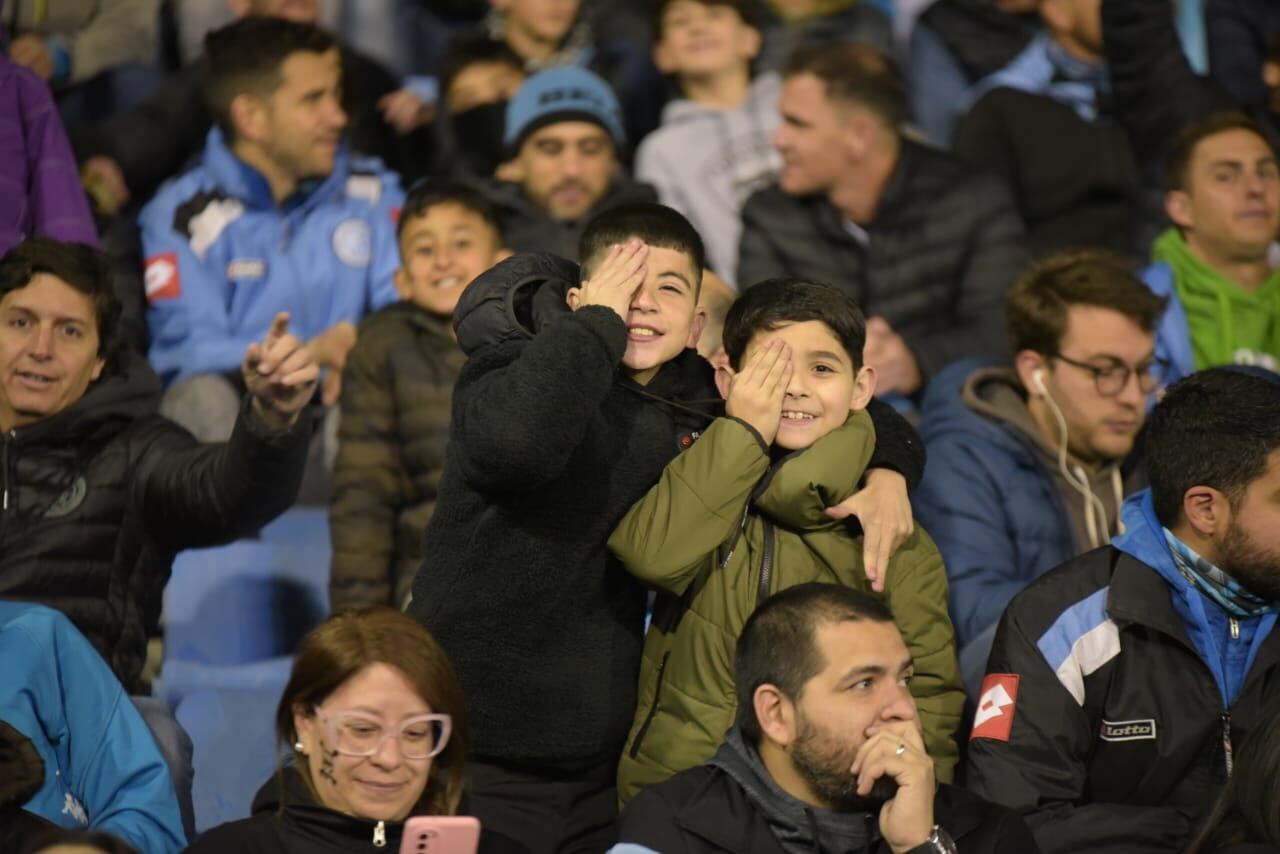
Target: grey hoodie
[
  {"x": 799, "y": 827},
  {"x": 997, "y": 393},
  {"x": 706, "y": 161}
]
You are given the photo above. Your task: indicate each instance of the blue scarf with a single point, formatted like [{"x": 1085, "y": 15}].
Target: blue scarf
[{"x": 1215, "y": 583}]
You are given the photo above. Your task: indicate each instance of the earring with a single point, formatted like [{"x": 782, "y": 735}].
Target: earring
[{"x": 300, "y": 747}]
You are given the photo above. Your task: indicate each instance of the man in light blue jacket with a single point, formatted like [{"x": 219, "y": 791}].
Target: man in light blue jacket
[{"x": 275, "y": 218}]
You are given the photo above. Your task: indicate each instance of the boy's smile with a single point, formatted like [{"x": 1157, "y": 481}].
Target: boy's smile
[{"x": 824, "y": 385}]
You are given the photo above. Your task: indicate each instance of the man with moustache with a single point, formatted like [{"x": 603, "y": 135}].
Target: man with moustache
[
  {"x": 1120, "y": 682},
  {"x": 565, "y": 135},
  {"x": 276, "y": 217},
  {"x": 826, "y": 755}
]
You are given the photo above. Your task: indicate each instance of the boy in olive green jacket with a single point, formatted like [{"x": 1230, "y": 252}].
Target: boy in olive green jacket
[{"x": 741, "y": 515}]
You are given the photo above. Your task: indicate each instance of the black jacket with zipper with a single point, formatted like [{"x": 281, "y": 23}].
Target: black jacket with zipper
[
  {"x": 942, "y": 249},
  {"x": 549, "y": 446},
  {"x": 287, "y": 819},
  {"x": 99, "y": 497},
  {"x": 1130, "y": 767},
  {"x": 705, "y": 811}
]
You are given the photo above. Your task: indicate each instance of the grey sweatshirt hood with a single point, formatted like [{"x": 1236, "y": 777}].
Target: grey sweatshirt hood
[
  {"x": 1092, "y": 498},
  {"x": 706, "y": 161},
  {"x": 799, "y": 827}
]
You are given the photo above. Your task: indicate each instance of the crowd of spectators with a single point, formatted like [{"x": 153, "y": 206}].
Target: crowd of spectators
[{"x": 744, "y": 425}]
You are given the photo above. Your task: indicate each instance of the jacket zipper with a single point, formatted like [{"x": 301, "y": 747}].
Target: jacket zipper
[
  {"x": 653, "y": 709},
  {"x": 380, "y": 835},
  {"x": 1235, "y": 628},
  {"x": 1227, "y": 752},
  {"x": 4, "y": 462},
  {"x": 733, "y": 544},
  {"x": 766, "y": 565}
]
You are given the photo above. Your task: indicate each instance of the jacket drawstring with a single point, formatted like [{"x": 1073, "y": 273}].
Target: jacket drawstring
[
  {"x": 813, "y": 827},
  {"x": 1094, "y": 510}
]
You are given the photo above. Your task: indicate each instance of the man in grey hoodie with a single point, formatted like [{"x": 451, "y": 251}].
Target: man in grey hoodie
[
  {"x": 713, "y": 148},
  {"x": 1027, "y": 462}
]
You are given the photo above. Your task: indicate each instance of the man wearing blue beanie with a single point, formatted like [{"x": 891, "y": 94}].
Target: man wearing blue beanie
[{"x": 565, "y": 138}]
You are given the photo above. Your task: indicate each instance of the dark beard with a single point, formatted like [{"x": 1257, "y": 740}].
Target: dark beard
[
  {"x": 1256, "y": 569},
  {"x": 824, "y": 764}
]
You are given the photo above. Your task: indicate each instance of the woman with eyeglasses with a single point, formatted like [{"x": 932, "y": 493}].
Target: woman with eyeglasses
[{"x": 377, "y": 725}]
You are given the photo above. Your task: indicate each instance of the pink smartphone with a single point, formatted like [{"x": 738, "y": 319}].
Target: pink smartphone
[{"x": 441, "y": 834}]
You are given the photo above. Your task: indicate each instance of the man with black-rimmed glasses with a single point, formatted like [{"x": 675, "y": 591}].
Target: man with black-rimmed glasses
[{"x": 1027, "y": 461}]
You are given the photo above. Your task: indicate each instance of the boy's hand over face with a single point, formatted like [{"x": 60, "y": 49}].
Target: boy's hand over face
[
  {"x": 615, "y": 281},
  {"x": 757, "y": 391}
]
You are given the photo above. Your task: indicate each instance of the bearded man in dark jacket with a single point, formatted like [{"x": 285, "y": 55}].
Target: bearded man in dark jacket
[
  {"x": 99, "y": 492},
  {"x": 565, "y": 135},
  {"x": 926, "y": 245}
]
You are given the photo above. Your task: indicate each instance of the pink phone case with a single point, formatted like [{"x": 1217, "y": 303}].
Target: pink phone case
[{"x": 441, "y": 834}]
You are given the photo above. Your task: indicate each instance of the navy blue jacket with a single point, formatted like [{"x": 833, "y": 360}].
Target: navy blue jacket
[{"x": 988, "y": 502}]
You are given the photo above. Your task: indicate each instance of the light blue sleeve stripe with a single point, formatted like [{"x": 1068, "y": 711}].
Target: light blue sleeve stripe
[{"x": 1074, "y": 623}]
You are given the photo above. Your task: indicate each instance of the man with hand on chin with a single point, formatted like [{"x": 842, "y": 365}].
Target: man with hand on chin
[{"x": 826, "y": 754}]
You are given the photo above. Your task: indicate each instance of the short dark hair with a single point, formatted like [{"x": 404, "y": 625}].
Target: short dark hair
[
  {"x": 247, "y": 56},
  {"x": 778, "y": 646},
  {"x": 79, "y": 265},
  {"x": 774, "y": 303},
  {"x": 1177, "y": 162},
  {"x": 656, "y": 225},
  {"x": 1215, "y": 428},
  {"x": 855, "y": 73},
  {"x": 748, "y": 10},
  {"x": 429, "y": 192},
  {"x": 1037, "y": 305},
  {"x": 471, "y": 49}
]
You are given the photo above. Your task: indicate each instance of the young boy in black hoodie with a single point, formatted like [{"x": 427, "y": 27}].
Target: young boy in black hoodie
[{"x": 562, "y": 419}]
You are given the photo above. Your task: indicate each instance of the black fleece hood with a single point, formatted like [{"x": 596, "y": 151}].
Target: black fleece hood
[{"x": 514, "y": 300}]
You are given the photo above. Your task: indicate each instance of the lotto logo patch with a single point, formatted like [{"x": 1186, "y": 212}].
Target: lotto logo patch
[
  {"x": 161, "y": 278},
  {"x": 996, "y": 705},
  {"x": 1140, "y": 730}
]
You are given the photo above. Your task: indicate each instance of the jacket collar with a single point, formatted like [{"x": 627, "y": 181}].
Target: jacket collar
[
  {"x": 241, "y": 181},
  {"x": 312, "y": 821},
  {"x": 127, "y": 390},
  {"x": 799, "y": 486},
  {"x": 719, "y": 812},
  {"x": 896, "y": 193}
]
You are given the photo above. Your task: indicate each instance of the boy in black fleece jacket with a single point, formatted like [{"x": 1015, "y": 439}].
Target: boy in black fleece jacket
[{"x": 561, "y": 420}]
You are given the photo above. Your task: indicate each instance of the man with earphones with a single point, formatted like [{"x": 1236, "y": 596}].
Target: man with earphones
[
  {"x": 1027, "y": 461},
  {"x": 1121, "y": 683}
]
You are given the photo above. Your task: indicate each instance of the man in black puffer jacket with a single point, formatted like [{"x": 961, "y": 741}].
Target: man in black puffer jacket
[
  {"x": 926, "y": 245},
  {"x": 98, "y": 491},
  {"x": 561, "y": 421}
]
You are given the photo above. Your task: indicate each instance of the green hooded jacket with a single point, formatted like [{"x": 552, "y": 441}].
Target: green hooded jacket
[
  {"x": 722, "y": 530},
  {"x": 1228, "y": 325}
]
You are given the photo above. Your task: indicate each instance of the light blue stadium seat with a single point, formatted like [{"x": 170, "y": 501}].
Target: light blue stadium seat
[
  {"x": 229, "y": 713},
  {"x": 252, "y": 599}
]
